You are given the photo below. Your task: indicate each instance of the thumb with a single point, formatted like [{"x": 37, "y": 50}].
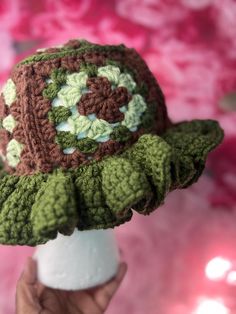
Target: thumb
[
  {"x": 26, "y": 293},
  {"x": 29, "y": 275}
]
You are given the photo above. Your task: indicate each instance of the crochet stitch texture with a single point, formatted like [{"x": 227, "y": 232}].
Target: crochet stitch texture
[{"x": 85, "y": 139}]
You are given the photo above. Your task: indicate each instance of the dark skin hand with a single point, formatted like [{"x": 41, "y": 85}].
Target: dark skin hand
[{"x": 34, "y": 298}]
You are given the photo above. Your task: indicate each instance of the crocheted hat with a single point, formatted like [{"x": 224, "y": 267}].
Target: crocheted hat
[{"x": 85, "y": 139}]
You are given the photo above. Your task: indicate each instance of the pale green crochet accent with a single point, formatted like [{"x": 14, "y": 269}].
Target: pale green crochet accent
[
  {"x": 132, "y": 120},
  {"x": 137, "y": 104},
  {"x": 136, "y": 107},
  {"x": 127, "y": 81},
  {"x": 112, "y": 73},
  {"x": 71, "y": 93},
  {"x": 99, "y": 129},
  {"x": 77, "y": 80},
  {"x": 9, "y": 92},
  {"x": 14, "y": 150},
  {"x": 79, "y": 123},
  {"x": 9, "y": 123},
  {"x": 69, "y": 96}
]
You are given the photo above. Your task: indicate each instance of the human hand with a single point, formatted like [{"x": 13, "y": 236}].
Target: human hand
[{"x": 34, "y": 298}]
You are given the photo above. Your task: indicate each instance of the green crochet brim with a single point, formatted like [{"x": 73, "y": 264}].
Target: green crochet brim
[{"x": 103, "y": 194}]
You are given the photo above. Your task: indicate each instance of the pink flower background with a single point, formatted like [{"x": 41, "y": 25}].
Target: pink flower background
[{"x": 190, "y": 45}]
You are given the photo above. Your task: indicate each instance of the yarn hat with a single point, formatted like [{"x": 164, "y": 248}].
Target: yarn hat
[{"x": 85, "y": 140}]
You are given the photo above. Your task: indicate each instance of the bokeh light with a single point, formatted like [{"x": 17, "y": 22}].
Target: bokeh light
[
  {"x": 231, "y": 278},
  {"x": 217, "y": 268},
  {"x": 211, "y": 306}
]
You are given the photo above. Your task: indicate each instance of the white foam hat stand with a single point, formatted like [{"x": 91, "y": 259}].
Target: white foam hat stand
[{"x": 80, "y": 261}]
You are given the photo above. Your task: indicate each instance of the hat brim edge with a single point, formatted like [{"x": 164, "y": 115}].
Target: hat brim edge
[{"x": 104, "y": 194}]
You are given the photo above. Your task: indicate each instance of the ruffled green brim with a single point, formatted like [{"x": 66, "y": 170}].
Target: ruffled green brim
[{"x": 103, "y": 194}]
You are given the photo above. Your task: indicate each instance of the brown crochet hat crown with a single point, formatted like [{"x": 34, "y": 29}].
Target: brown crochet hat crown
[
  {"x": 85, "y": 138},
  {"x": 94, "y": 81}
]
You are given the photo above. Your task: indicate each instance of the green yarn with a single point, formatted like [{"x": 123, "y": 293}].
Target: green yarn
[
  {"x": 136, "y": 107},
  {"x": 103, "y": 191},
  {"x": 114, "y": 75},
  {"x": 51, "y": 91},
  {"x": 9, "y": 92},
  {"x": 96, "y": 130},
  {"x": 83, "y": 127},
  {"x": 98, "y": 216},
  {"x": 15, "y": 225},
  {"x": 126, "y": 70},
  {"x": 126, "y": 80},
  {"x": 59, "y": 76},
  {"x": 99, "y": 129},
  {"x": 191, "y": 142},
  {"x": 9, "y": 123},
  {"x": 153, "y": 154},
  {"x": 2, "y": 171},
  {"x": 66, "y": 139},
  {"x": 7, "y": 186},
  {"x": 72, "y": 53},
  {"x": 93, "y": 210},
  {"x": 137, "y": 104},
  {"x": 148, "y": 118},
  {"x": 113, "y": 63},
  {"x": 79, "y": 123},
  {"x": 120, "y": 134},
  {"x": 71, "y": 93},
  {"x": 88, "y": 183},
  {"x": 84, "y": 43},
  {"x": 141, "y": 89},
  {"x": 124, "y": 184},
  {"x": 14, "y": 149},
  {"x": 55, "y": 207},
  {"x": 132, "y": 120},
  {"x": 59, "y": 114},
  {"x": 77, "y": 79},
  {"x": 87, "y": 145},
  {"x": 90, "y": 69},
  {"x": 101, "y": 194},
  {"x": 199, "y": 137}
]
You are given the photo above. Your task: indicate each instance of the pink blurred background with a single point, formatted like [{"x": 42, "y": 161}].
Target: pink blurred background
[{"x": 190, "y": 45}]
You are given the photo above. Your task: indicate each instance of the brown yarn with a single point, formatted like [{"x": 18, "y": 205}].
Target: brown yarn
[
  {"x": 73, "y": 43},
  {"x": 4, "y": 110},
  {"x": 5, "y": 136},
  {"x": 27, "y": 163},
  {"x": 109, "y": 148}
]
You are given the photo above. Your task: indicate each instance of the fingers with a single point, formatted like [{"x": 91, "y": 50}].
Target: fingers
[
  {"x": 104, "y": 294},
  {"x": 29, "y": 275},
  {"x": 40, "y": 288},
  {"x": 82, "y": 302},
  {"x": 26, "y": 295}
]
